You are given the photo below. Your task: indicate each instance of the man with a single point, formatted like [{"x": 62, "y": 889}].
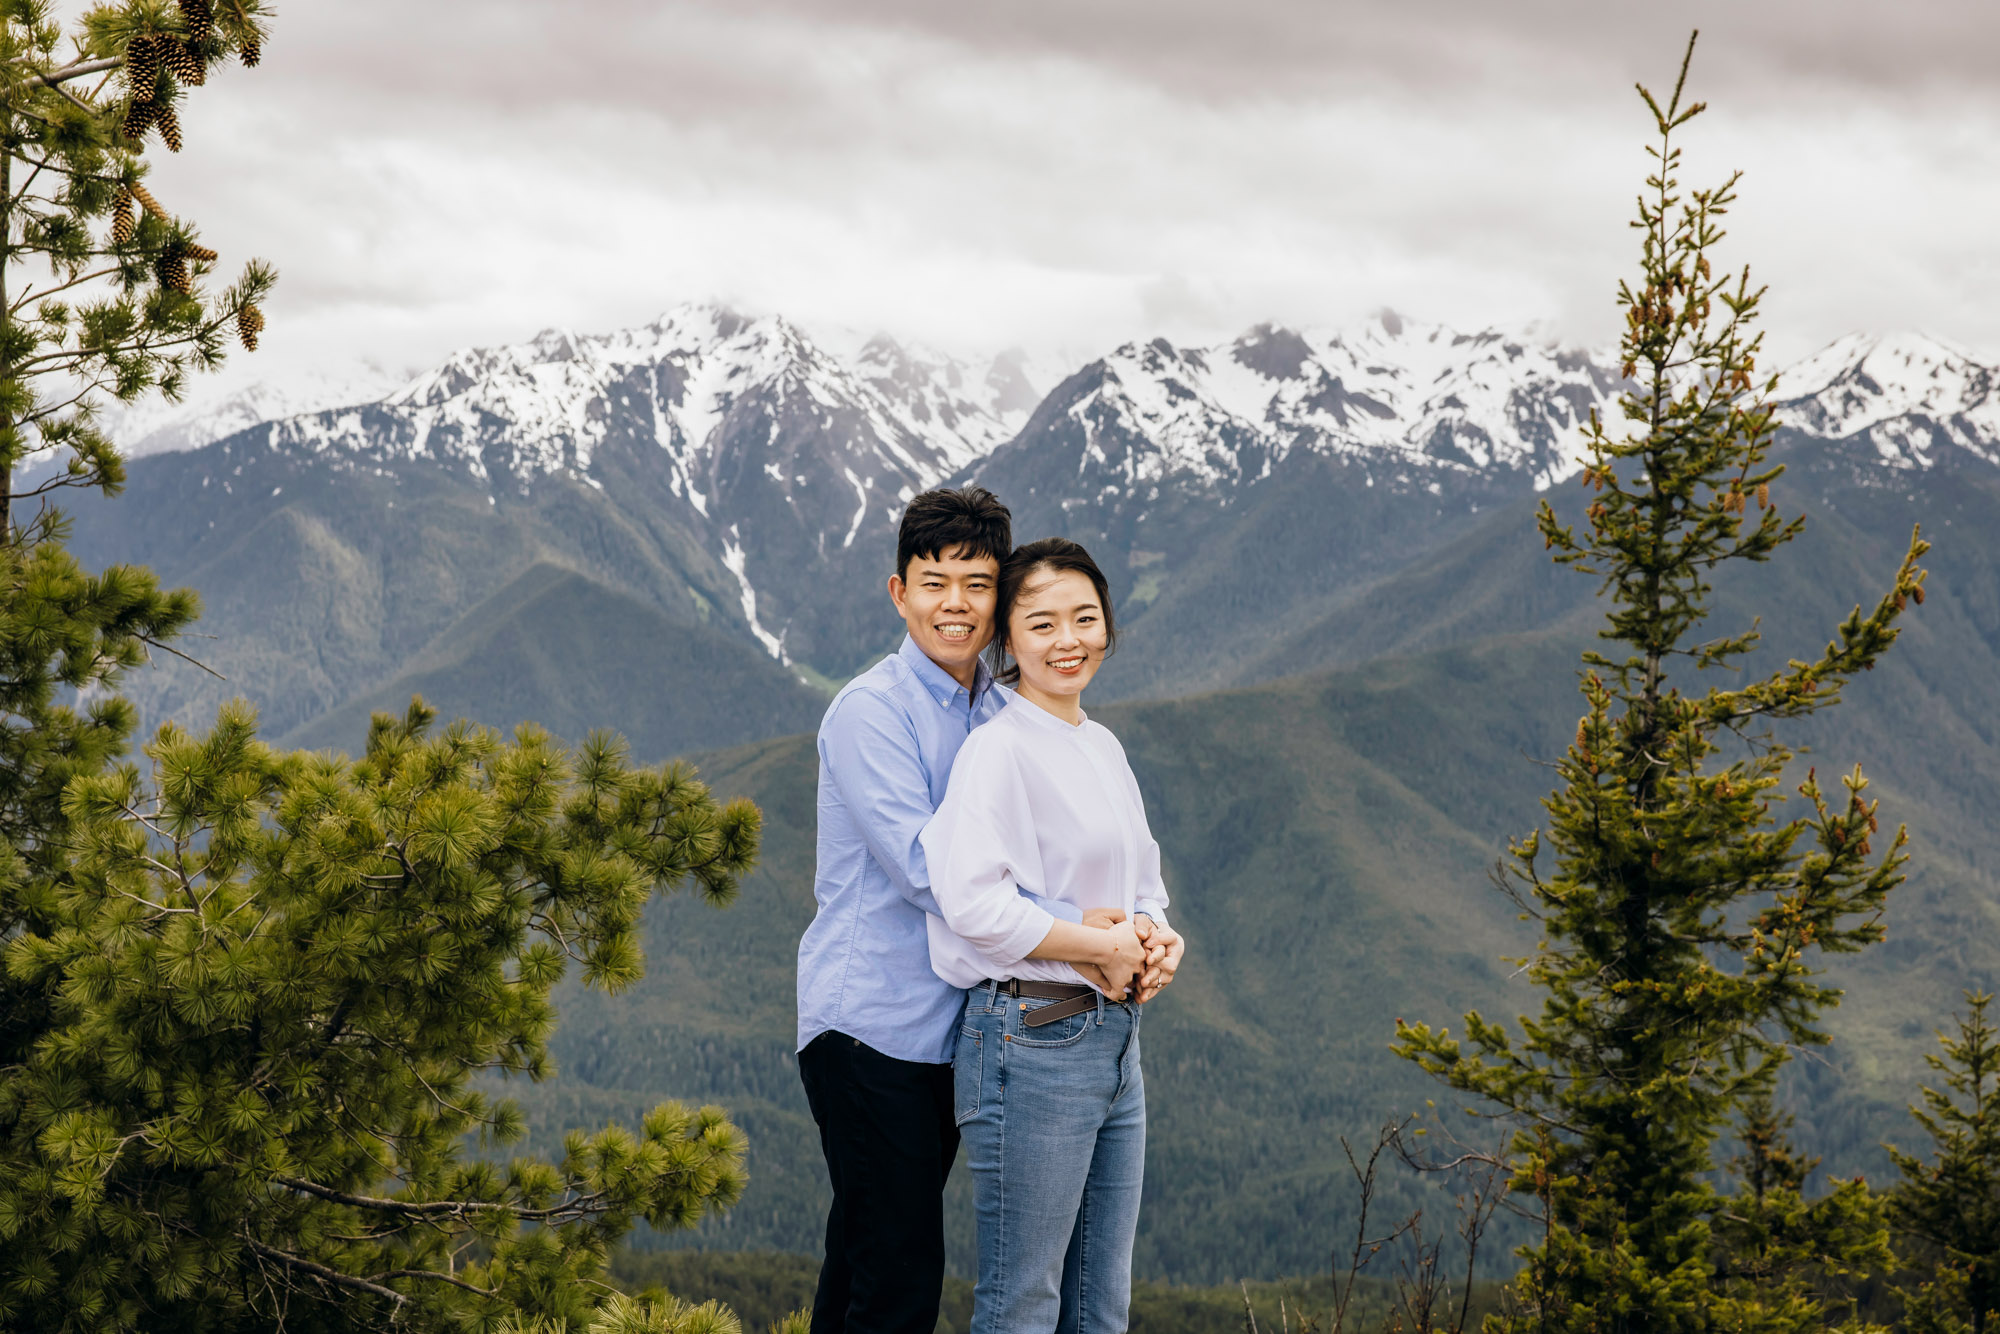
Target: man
[{"x": 876, "y": 1025}]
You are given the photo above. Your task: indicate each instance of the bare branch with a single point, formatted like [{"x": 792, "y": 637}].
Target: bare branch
[
  {"x": 433, "y": 1276},
  {"x": 322, "y": 1272},
  {"x": 429, "y": 1208},
  {"x": 68, "y": 73},
  {"x": 169, "y": 648},
  {"x": 45, "y": 293}
]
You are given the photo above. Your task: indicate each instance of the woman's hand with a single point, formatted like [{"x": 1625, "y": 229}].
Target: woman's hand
[{"x": 1164, "y": 948}]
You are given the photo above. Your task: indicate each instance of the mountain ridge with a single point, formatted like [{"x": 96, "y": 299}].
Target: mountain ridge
[{"x": 730, "y": 471}]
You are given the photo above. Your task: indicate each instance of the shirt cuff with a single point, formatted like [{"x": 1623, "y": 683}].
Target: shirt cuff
[
  {"x": 1062, "y": 908},
  {"x": 1034, "y": 929}
]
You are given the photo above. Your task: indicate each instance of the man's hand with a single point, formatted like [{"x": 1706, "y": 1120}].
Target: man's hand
[
  {"x": 1103, "y": 919},
  {"x": 1164, "y": 948},
  {"x": 1094, "y": 975}
]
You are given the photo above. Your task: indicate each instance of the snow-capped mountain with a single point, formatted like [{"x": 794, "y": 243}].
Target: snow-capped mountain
[
  {"x": 685, "y": 384},
  {"x": 1393, "y": 394},
  {"x": 741, "y": 472},
  {"x": 767, "y": 452},
  {"x": 1916, "y": 399}
]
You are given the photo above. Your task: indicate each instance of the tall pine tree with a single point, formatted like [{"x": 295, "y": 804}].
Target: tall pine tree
[
  {"x": 1682, "y": 920},
  {"x": 248, "y": 1000}
]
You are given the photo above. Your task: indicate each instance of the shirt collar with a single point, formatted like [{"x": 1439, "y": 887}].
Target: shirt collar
[
  {"x": 1034, "y": 715},
  {"x": 937, "y": 680}
]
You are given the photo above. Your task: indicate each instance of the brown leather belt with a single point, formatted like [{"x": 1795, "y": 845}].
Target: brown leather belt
[{"x": 1070, "y": 999}]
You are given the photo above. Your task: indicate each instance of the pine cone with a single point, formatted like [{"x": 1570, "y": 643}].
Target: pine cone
[
  {"x": 142, "y": 66},
  {"x": 202, "y": 253},
  {"x": 181, "y": 59},
  {"x": 139, "y": 117},
  {"x": 1763, "y": 495},
  {"x": 251, "y": 49},
  {"x": 147, "y": 202},
  {"x": 124, "y": 222},
  {"x": 199, "y": 15},
  {"x": 170, "y": 129},
  {"x": 249, "y": 323},
  {"x": 172, "y": 270}
]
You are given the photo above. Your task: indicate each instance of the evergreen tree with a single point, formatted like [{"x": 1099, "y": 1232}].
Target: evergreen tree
[
  {"x": 1784, "y": 1260},
  {"x": 101, "y": 285},
  {"x": 248, "y": 1000},
  {"x": 1950, "y": 1206},
  {"x": 1682, "y": 922}
]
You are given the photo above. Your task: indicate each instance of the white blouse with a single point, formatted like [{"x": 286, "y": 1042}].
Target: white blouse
[{"x": 1036, "y": 804}]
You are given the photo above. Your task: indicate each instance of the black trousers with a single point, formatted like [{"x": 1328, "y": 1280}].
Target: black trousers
[{"x": 887, "y": 1130}]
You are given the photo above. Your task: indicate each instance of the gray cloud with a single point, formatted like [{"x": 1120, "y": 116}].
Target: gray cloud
[
  {"x": 1074, "y": 174},
  {"x": 1251, "y": 47},
  {"x": 783, "y": 54}
]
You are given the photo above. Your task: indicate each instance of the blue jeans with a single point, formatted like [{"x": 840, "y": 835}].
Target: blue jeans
[{"x": 1054, "y": 1125}]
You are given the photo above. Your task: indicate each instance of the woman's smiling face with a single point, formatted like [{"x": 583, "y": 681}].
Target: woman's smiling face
[{"x": 1056, "y": 632}]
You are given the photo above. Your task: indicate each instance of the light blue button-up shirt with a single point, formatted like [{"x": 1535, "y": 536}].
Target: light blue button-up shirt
[{"x": 886, "y": 748}]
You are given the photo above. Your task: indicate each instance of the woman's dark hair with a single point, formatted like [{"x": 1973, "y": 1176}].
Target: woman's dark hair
[
  {"x": 1057, "y": 554},
  {"x": 966, "y": 524}
]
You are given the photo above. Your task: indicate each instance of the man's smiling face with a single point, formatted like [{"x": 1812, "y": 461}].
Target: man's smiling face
[{"x": 946, "y": 600}]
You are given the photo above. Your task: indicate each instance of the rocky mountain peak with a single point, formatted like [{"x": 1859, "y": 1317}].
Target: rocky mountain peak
[
  {"x": 1272, "y": 352},
  {"x": 1915, "y": 398},
  {"x": 1392, "y": 390}
]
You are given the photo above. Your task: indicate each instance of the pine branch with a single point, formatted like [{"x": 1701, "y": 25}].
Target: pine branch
[
  {"x": 165, "y": 647},
  {"x": 70, "y": 73},
  {"x": 576, "y": 1207},
  {"x": 434, "y": 1276},
  {"x": 322, "y": 1272},
  {"x": 43, "y": 294}
]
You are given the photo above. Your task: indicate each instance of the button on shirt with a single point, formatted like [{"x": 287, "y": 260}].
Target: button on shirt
[
  {"x": 1040, "y": 805},
  {"x": 886, "y": 749}
]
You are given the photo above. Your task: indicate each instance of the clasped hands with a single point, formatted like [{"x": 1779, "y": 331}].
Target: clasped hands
[{"x": 1142, "y": 953}]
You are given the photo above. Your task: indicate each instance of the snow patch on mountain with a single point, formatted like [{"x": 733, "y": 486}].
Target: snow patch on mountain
[
  {"x": 1904, "y": 391},
  {"x": 734, "y": 559}
]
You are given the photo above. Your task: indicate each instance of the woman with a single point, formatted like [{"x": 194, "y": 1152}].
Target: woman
[{"x": 1050, "y": 1101}]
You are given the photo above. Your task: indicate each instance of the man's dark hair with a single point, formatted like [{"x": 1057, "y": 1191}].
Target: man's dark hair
[
  {"x": 962, "y": 524},
  {"x": 1056, "y": 555}
]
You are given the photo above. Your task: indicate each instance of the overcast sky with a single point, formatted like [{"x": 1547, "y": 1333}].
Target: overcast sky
[{"x": 1067, "y": 174}]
